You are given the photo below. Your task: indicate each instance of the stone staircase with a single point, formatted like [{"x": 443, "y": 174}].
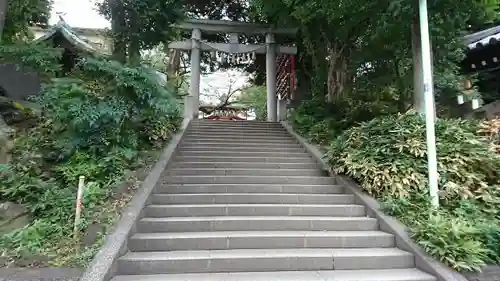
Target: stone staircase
[{"x": 244, "y": 201}]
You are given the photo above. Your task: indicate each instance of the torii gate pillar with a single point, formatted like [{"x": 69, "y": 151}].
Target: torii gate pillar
[
  {"x": 194, "y": 86},
  {"x": 272, "y": 109}
]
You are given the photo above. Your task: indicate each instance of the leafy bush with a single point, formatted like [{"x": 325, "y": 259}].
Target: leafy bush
[
  {"x": 320, "y": 121},
  {"x": 126, "y": 108},
  {"x": 95, "y": 123},
  {"x": 41, "y": 58},
  {"x": 388, "y": 157},
  {"x": 463, "y": 235},
  {"x": 451, "y": 239},
  {"x": 490, "y": 129}
]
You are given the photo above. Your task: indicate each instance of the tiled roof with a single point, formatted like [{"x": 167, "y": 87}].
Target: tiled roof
[
  {"x": 480, "y": 39},
  {"x": 69, "y": 35}
]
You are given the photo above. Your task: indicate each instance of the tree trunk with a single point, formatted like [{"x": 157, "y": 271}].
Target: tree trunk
[
  {"x": 118, "y": 29},
  {"x": 174, "y": 62},
  {"x": 134, "y": 47},
  {"x": 303, "y": 73},
  {"x": 338, "y": 76},
  {"x": 3, "y": 15}
]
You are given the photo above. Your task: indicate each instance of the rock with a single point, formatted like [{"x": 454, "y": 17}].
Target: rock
[
  {"x": 7, "y": 226},
  {"x": 10, "y": 210},
  {"x": 13, "y": 216},
  {"x": 30, "y": 86},
  {"x": 92, "y": 234}
]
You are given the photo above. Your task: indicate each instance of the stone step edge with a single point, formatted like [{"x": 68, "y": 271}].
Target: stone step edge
[
  {"x": 263, "y": 253},
  {"x": 245, "y": 169},
  {"x": 218, "y": 205},
  {"x": 252, "y": 194},
  {"x": 410, "y": 274},
  {"x": 256, "y": 218},
  {"x": 264, "y": 233}
]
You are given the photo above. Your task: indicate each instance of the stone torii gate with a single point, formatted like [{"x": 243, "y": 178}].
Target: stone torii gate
[{"x": 233, "y": 50}]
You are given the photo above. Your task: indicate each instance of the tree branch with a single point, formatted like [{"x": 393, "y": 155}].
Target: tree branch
[{"x": 226, "y": 102}]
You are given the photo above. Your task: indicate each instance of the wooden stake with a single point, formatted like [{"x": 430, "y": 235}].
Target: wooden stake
[{"x": 79, "y": 204}]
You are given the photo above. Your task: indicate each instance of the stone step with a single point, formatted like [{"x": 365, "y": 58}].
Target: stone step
[
  {"x": 237, "y": 129},
  {"x": 249, "y": 180},
  {"x": 235, "y": 144},
  {"x": 242, "y": 165},
  {"x": 255, "y": 223},
  {"x": 246, "y": 159},
  {"x": 259, "y": 240},
  {"x": 252, "y": 137},
  {"x": 244, "y": 260},
  {"x": 283, "y": 189},
  {"x": 203, "y": 210},
  {"x": 242, "y": 133},
  {"x": 239, "y": 124},
  {"x": 247, "y": 123},
  {"x": 256, "y": 171},
  {"x": 241, "y": 154},
  {"x": 227, "y": 122},
  {"x": 239, "y": 141},
  {"x": 406, "y": 274},
  {"x": 251, "y": 198},
  {"x": 221, "y": 147}
]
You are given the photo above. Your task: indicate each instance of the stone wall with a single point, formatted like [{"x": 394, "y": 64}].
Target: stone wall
[
  {"x": 18, "y": 83},
  {"x": 490, "y": 273},
  {"x": 488, "y": 111}
]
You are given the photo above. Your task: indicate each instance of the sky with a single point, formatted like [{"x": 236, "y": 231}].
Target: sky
[{"x": 78, "y": 13}]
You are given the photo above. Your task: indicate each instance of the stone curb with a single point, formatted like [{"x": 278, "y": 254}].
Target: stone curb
[
  {"x": 40, "y": 274},
  {"x": 103, "y": 265},
  {"x": 388, "y": 224}
]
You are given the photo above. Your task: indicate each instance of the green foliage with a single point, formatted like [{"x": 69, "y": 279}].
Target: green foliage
[
  {"x": 22, "y": 14},
  {"x": 451, "y": 240},
  {"x": 43, "y": 59},
  {"x": 368, "y": 43},
  {"x": 95, "y": 123},
  {"x": 20, "y": 187},
  {"x": 320, "y": 121},
  {"x": 463, "y": 235},
  {"x": 128, "y": 108},
  {"x": 388, "y": 154},
  {"x": 256, "y": 98},
  {"x": 139, "y": 25},
  {"x": 388, "y": 157}
]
